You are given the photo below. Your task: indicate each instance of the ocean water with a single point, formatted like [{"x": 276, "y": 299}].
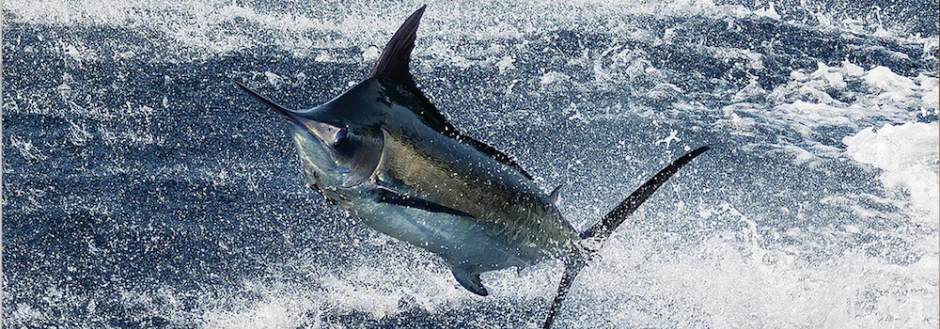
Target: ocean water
[{"x": 141, "y": 189}]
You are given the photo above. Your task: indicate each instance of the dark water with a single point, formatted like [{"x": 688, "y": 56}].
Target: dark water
[{"x": 141, "y": 189}]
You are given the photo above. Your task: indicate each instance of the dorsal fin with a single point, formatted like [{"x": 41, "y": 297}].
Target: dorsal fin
[{"x": 393, "y": 65}]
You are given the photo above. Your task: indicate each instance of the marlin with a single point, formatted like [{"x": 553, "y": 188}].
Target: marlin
[{"x": 387, "y": 156}]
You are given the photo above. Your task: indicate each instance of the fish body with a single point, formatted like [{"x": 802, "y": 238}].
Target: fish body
[
  {"x": 385, "y": 154},
  {"x": 475, "y": 212},
  {"x": 406, "y": 179}
]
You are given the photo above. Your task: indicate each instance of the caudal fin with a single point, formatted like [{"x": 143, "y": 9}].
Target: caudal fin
[
  {"x": 571, "y": 272},
  {"x": 604, "y": 227}
]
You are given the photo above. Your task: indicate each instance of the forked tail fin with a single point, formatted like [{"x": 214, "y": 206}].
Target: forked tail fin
[
  {"x": 572, "y": 268},
  {"x": 604, "y": 227}
]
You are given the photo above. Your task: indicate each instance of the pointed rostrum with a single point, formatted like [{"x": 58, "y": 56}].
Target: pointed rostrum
[{"x": 286, "y": 113}]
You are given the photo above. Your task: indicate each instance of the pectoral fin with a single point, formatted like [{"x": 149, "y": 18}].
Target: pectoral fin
[
  {"x": 389, "y": 196},
  {"x": 470, "y": 281}
]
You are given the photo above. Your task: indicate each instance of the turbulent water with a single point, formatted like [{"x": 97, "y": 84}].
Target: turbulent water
[{"x": 141, "y": 189}]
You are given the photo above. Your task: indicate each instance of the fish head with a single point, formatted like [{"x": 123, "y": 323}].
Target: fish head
[
  {"x": 334, "y": 150},
  {"x": 336, "y": 153}
]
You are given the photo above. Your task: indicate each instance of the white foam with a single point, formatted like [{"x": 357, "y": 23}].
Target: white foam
[
  {"x": 800, "y": 155},
  {"x": 751, "y": 93},
  {"x": 214, "y": 27},
  {"x": 770, "y": 12},
  {"x": 806, "y": 103},
  {"x": 908, "y": 156},
  {"x": 370, "y": 54},
  {"x": 553, "y": 77},
  {"x": 742, "y": 278},
  {"x": 280, "y": 307},
  {"x": 909, "y": 160},
  {"x": 881, "y": 78},
  {"x": 722, "y": 282},
  {"x": 890, "y": 86},
  {"x": 931, "y": 93},
  {"x": 378, "y": 286}
]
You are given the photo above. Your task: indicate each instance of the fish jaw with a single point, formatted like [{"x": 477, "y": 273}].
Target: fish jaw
[{"x": 319, "y": 170}]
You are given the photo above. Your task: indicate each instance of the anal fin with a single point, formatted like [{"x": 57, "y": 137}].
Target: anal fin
[{"x": 470, "y": 281}]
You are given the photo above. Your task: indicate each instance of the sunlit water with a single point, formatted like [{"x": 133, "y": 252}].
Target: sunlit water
[{"x": 141, "y": 189}]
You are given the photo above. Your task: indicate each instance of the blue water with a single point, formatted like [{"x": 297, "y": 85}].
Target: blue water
[{"x": 141, "y": 189}]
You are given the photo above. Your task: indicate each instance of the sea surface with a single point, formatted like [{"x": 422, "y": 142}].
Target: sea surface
[{"x": 141, "y": 189}]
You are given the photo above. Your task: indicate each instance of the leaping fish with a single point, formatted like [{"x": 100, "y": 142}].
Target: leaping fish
[{"x": 386, "y": 155}]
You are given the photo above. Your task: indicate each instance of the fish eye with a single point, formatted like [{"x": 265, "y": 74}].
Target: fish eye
[{"x": 341, "y": 136}]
